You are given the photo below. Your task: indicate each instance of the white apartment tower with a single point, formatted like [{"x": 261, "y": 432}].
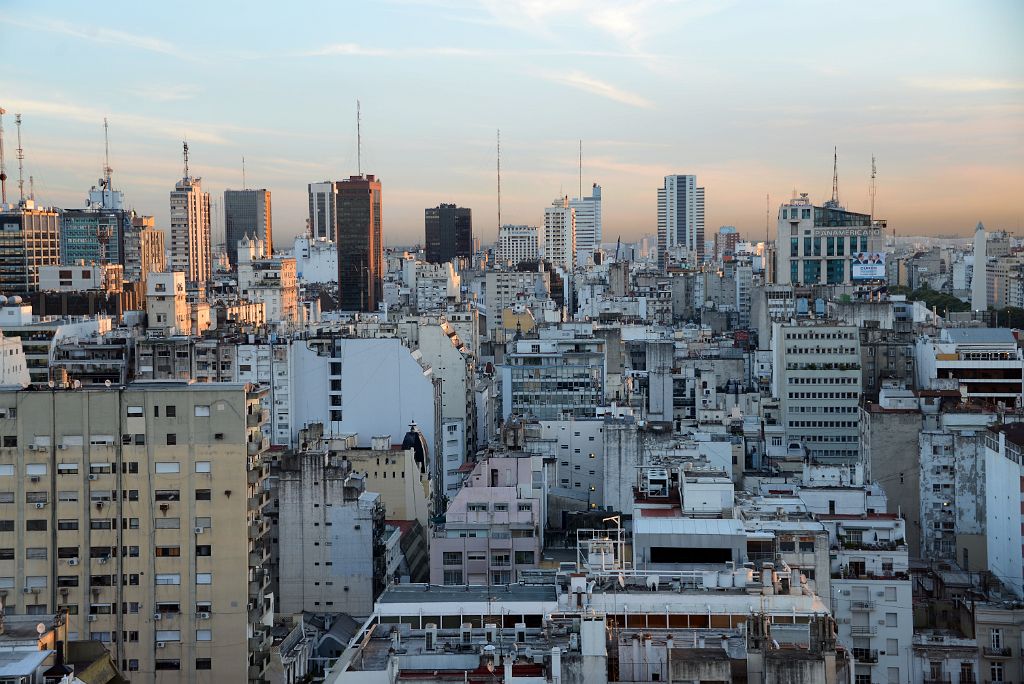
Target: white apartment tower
[
  {"x": 190, "y": 230},
  {"x": 517, "y": 244},
  {"x": 680, "y": 218},
  {"x": 560, "y": 234},
  {"x": 979, "y": 283},
  {"x": 588, "y": 223}
]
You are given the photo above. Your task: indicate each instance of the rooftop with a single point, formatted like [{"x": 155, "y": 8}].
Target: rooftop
[
  {"x": 980, "y": 336},
  {"x": 430, "y": 593}
]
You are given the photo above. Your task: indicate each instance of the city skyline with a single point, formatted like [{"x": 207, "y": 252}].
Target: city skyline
[{"x": 666, "y": 88}]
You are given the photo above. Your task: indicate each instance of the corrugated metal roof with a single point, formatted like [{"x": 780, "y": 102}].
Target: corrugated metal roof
[
  {"x": 980, "y": 335},
  {"x": 712, "y": 526}
]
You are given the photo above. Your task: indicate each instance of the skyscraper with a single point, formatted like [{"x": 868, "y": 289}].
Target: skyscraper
[
  {"x": 97, "y": 233},
  {"x": 588, "y": 223},
  {"x": 360, "y": 244},
  {"x": 246, "y": 212},
  {"x": 680, "y": 218},
  {"x": 190, "y": 229},
  {"x": 448, "y": 233},
  {"x": 560, "y": 234},
  {"x": 29, "y": 238},
  {"x": 517, "y": 244},
  {"x": 323, "y": 198}
]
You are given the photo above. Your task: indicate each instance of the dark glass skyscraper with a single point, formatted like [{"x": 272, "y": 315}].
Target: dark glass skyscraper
[
  {"x": 246, "y": 212},
  {"x": 360, "y": 244},
  {"x": 449, "y": 233}
]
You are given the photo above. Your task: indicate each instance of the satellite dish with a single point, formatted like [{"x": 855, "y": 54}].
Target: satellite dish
[{"x": 41, "y": 629}]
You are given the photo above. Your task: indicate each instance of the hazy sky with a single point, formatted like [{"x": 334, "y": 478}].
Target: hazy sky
[{"x": 750, "y": 96}]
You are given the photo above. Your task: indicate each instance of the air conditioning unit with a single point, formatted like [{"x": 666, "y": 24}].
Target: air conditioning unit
[
  {"x": 160, "y": 644},
  {"x": 92, "y": 618},
  {"x": 93, "y": 476},
  {"x": 34, "y": 478},
  {"x": 203, "y": 616},
  {"x": 40, "y": 504},
  {"x": 157, "y": 617},
  {"x": 200, "y": 530},
  {"x": 72, "y": 561},
  {"x": 62, "y": 447},
  {"x": 102, "y": 560},
  {"x": 26, "y": 590}
]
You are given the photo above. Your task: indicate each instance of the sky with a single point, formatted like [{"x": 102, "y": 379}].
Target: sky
[{"x": 752, "y": 97}]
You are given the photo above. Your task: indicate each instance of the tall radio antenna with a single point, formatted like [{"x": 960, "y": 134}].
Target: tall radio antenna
[
  {"x": 359, "y": 138},
  {"x": 106, "y": 156},
  {"x": 835, "y": 176},
  {"x": 21, "y": 160},
  {"x": 581, "y": 169},
  {"x": 499, "y": 180},
  {"x": 767, "y": 214},
  {"x": 873, "y": 186},
  {"x": 243, "y": 173},
  {"x": 184, "y": 152},
  {"x": 3, "y": 167}
]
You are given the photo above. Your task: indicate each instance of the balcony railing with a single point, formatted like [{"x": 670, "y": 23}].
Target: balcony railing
[
  {"x": 862, "y": 630},
  {"x": 992, "y": 652},
  {"x": 865, "y": 655}
]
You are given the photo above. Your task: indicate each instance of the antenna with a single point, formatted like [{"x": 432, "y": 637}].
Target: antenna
[
  {"x": 21, "y": 160},
  {"x": 184, "y": 146},
  {"x": 835, "y": 176},
  {"x": 3, "y": 167},
  {"x": 872, "y": 186},
  {"x": 581, "y": 170},
  {"x": 499, "y": 180},
  {"x": 767, "y": 213},
  {"x": 359, "y": 138},
  {"x": 106, "y": 156},
  {"x": 243, "y": 173},
  {"x": 32, "y": 188}
]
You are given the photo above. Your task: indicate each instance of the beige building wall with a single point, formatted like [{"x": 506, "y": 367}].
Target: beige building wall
[
  {"x": 139, "y": 511},
  {"x": 394, "y": 474}
]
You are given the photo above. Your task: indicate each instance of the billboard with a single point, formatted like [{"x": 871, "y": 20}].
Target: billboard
[{"x": 868, "y": 266}]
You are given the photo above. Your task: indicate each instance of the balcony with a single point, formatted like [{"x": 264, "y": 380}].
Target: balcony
[
  {"x": 257, "y": 418},
  {"x": 258, "y": 529},
  {"x": 991, "y": 652},
  {"x": 862, "y": 630},
  {"x": 862, "y": 605},
  {"x": 257, "y": 502},
  {"x": 944, "y": 679},
  {"x": 257, "y": 446},
  {"x": 258, "y": 557},
  {"x": 865, "y": 655}
]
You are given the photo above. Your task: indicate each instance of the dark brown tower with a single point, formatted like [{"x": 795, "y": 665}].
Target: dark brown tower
[{"x": 360, "y": 244}]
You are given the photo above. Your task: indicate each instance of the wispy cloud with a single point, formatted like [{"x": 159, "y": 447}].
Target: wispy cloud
[
  {"x": 98, "y": 34},
  {"x": 589, "y": 84},
  {"x": 357, "y": 50},
  {"x": 173, "y": 93},
  {"x": 967, "y": 85}
]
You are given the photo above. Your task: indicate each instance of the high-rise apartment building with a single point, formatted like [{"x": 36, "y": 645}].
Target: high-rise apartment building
[
  {"x": 323, "y": 200},
  {"x": 827, "y": 245},
  {"x": 517, "y": 244},
  {"x": 680, "y": 219},
  {"x": 190, "y": 231},
  {"x": 143, "y": 250},
  {"x": 588, "y": 223},
  {"x": 448, "y": 233},
  {"x": 29, "y": 238},
  {"x": 247, "y": 213},
  {"x": 137, "y": 510},
  {"x": 360, "y": 244},
  {"x": 560, "y": 234}
]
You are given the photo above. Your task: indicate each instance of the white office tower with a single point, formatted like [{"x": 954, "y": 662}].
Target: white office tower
[
  {"x": 588, "y": 224},
  {"x": 680, "y": 219},
  {"x": 979, "y": 281},
  {"x": 560, "y": 234},
  {"x": 190, "y": 230},
  {"x": 323, "y": 204},
  {"x": 517, "y": 244}
]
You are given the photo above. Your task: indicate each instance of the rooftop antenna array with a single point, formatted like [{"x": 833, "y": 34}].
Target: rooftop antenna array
[
  {"x": 243, "y": 173},
  {"x": 359, "y": 138},
  {"x": 581, "y": 170},
  {"x": 835, "y": 176},
  {"x": 3, "y": 167},
  {"x": 767, "y": 211},
  {"x": 184, "y": 151},
  {"x": 21, "y": 160}
]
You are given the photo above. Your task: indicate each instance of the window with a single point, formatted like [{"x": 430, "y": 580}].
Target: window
[
  {"x": 204, "y": 578},
  {"x": 451, "y": 558},
  {"x": 204, "y": 550},
  {"x": 453, "y": 576},
  {"x": 202, "y": 495},
  {"x": 996, "y": 639},
  {"x": 172, "y": 439},
  {"x": 167, "y": 467},
  {"x": 168, "y": 578},
  {"x": 524, "y": 557},
  {"x": 167, "y": 664},
  {"x": 202, "y": 466},
  {"x": 204, "y": 664},
  {"x": 35, "y": 525},
  {"x": 501, "y": 508},
  {"x": 891, "y": 620},
  {"x": 67, "y": 468},
  {"x": 61, "y": 524},
  {"x": 167, "y": 495},
  {"x": 35, "y": 553},
  {"x": 168, "y": 551},
  {"x": 167, "y": 523},
  {"x": 204, "y": 635},
  {"x": 997, "y": 672},
  {"x": 37, "y": 469},
  {"x": 135, "y": 412},
  {"x": 6, "y": 554},
  {"x": 172, "y": 412},
  {"x": 202, "y": 411}
]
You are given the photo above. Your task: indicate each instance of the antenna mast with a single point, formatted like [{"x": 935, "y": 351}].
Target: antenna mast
[
  {"x": 106, "y": 156},
  {"x": 581, "y": 170},
  {"x": 32, "y": 188},
  {"x": 21, "y": 160},
  {"x": 243, "y": 173},
  {"x": 835, "y": 176},
  {"x": 3, "y": 168},
  {"x": 184, "y": 146},
  {"x": 499, "y": 180},
  {"x": 359, "y": 138},
  {"x": 872, "y": 186},
  {"x": 767, "y": 213}
]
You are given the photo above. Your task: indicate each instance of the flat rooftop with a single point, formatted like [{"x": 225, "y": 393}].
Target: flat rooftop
[{"x": 432, "y": 593}]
